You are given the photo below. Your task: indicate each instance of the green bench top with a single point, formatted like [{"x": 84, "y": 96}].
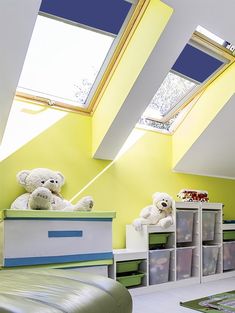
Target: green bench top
[{"x": 5, "y": 214}]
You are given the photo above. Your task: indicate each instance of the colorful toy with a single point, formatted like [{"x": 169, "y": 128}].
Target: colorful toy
[
  {"x": 193, "y": 195},
  {"x": 43, "y": 192},
  {"x": 159, "y": 213}
]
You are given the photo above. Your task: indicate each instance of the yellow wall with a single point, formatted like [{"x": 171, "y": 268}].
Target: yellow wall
[
  {"x": 65, "y": 146},
  {"x": 131, "y": 63},
  {"x": 207, "y": 107},
  {"x": 125, "y": 186}
]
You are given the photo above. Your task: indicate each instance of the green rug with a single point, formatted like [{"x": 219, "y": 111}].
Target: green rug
[{"x": 222, "y": 302}]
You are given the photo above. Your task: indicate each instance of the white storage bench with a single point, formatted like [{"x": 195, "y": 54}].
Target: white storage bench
[{"x": 55, "y": 237}]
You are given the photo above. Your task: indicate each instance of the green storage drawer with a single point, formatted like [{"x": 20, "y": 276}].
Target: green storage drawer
[
  {"x": 128, "y": 266},
  {"x": 229, "y": 234},
  {"x": 158, "y": 238},
  {"x": 131, "y": 280}
]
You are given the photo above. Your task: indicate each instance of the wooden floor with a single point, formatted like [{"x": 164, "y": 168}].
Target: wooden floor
[{"x": 167, "y": 301}]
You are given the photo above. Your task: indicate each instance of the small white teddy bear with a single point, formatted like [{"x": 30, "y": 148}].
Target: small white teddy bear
[
  {"x": 159, "y": 213},
  {"x": 43, "y": 192}
]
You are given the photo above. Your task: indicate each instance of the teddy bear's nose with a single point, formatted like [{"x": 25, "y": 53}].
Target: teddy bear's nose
[
  {"x": 52, "y": 181},
  {"x": 164, "y": 204}
]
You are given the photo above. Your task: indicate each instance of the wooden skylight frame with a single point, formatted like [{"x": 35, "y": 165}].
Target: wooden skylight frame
[{"x": 122, "y": 42}]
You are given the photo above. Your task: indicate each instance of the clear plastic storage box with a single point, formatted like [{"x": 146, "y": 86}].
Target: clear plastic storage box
[
  {"x": 184, "y": 262},
  {"x": 229, "y": 255},
  {"x": 210, "y": 259},
  {"x": 184, "y": 226},
  {"x": 208, "y": 225},
  {"x": 159, "y": 261}
]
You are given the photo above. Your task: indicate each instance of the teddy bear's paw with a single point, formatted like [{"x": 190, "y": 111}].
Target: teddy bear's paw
[
  {"x": 85, "y": 204},
  {"x": 137, "y": 224},
  {"x": 40, "y": 199},
  {"x": 165, "y": 223}
]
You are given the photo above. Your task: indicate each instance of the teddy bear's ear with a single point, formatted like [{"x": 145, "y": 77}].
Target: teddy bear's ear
[
  {"x": 21, "y": 176},
  {"x": 155, "y": 195},
  {"x": 61, "y": 178}
]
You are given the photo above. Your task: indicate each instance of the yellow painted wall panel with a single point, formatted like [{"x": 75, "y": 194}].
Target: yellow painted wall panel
[
  {"x": 207, "y": 107},
  {"x": 137, "y": 52},
  {"x": 125, "y": 185},
  {"x": 65, "y": 146}
]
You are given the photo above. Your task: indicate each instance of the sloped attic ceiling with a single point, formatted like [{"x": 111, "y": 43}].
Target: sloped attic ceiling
[{"x": 187, "y": 15}]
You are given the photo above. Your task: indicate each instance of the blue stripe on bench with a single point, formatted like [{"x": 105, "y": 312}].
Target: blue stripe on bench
[
  {"x": 64, "y": 233},
  {"x": 8, "y": 262}
]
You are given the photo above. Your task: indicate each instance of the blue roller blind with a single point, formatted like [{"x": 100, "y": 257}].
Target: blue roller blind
[
  {"x": 196, "y": 64},
  {"x": 106, "y": 15}
]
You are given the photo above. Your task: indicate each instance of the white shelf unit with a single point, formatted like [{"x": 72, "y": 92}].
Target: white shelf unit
[
  {"x": 139, "y": 241},
  {"x": 120, "y": 255},
  {"x": 217, "y": 241},
  {"x": 137, "y": 247},
  {"x": 228, "y": 227}
]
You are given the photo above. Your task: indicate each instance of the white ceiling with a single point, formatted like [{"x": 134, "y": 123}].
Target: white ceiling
[
  {"x": 213, "y": 153},
  {"x": 216, "y": 16},
  {"x": 17, "y": 20}
]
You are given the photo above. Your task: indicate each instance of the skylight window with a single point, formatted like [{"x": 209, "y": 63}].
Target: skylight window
[
  {"x": 63, "y": 61},
  {"x": 198, "y": 64},
  {"x": 105, "y": 15},
  {"x": 210, "y": 35},
  {"x": 172, "y": 91},
  {"x": 152, "y": 124}
]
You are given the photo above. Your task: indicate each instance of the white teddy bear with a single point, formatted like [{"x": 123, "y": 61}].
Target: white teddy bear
[
  {"x": 159, "y": 213},
  {"x": 43, "y": 192}
]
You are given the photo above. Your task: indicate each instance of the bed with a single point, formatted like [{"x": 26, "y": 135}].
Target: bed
[{"x": 56, "y": 291}]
